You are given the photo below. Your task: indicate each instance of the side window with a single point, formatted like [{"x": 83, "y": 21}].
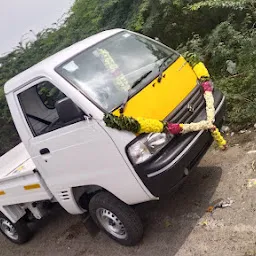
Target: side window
[
  {"x": 39, "y": 106},
  {"x": 49, "y": 94}
]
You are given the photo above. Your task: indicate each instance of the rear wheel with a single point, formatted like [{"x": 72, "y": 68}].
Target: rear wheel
[
  {"x": 116, "y": 219},
  {"x": 18, "y": 232}
]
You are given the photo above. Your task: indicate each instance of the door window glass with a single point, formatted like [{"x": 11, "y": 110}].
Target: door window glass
[
  {"x": 49, "y": 94},
  {"x": 39, "y": 106}
]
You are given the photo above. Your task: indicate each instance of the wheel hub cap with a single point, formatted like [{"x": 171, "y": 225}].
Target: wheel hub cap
[
  {"x": 111, "y": 223},
  {"x": 8, "y": 229}
]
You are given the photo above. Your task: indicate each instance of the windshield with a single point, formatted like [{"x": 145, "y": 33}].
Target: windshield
[{"x": 106, "y": 72}]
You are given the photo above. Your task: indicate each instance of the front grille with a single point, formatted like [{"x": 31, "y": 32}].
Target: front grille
[{"x": 189, "y": 108}]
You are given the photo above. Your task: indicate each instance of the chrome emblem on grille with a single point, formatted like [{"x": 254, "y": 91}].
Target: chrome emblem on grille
[{"x": 191, "y": 108}]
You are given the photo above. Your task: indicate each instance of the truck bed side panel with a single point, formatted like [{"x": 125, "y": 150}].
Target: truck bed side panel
[{"x": 23, "y": 189}]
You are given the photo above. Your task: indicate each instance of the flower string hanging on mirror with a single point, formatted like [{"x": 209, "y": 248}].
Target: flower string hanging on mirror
[
  {"x": 120, "y": 80},
  {"x": 140, "y": 125}
]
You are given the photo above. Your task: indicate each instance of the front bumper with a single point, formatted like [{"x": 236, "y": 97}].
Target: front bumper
[{"x": 163, "y": 173}]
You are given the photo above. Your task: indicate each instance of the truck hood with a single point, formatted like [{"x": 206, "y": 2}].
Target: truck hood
[{"x": 158, "y": 100}]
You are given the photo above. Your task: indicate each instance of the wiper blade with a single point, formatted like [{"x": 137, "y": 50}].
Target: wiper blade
[{"x": 138, "y": 81}]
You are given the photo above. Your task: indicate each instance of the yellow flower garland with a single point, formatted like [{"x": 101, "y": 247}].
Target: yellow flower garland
[
  {"x": 222, "y": 143},
  {"x": 150, "y": 125},
  {"x": 201, "y": 71}
]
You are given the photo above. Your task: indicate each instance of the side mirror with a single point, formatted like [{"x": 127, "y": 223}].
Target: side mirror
[{"x": 68, "y": 111}]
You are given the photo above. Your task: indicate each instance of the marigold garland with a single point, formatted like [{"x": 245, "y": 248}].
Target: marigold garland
[
  {"x": 136, "y": 125},
  {"x": 150, "y": 125},
  {"x": 143, "y": 125},
  {"x": 201, "y": 71}
]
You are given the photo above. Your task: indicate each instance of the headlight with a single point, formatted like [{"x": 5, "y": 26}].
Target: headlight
[{"x": 147, "y": 146}]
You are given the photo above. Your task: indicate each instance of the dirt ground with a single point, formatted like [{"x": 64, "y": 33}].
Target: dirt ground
[{"x": 176, "y": 225}]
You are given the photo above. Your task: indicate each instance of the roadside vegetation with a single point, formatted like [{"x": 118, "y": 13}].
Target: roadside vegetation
[{"x": 223, "y": 33}]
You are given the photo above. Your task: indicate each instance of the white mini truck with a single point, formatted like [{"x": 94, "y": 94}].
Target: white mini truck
[{"x": 69, "y": 156}]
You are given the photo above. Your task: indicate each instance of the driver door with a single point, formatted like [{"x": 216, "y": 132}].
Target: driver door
[{"x": 70, "y": 155}]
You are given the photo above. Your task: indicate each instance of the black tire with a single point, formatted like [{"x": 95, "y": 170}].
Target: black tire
[
  {"x": 21, "y": 228},
  {"x": 104, "y": 202}
]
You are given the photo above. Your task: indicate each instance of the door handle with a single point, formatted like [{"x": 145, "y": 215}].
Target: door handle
[{"x": 44, "y": 151}]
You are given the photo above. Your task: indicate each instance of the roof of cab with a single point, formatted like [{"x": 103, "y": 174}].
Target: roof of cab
[{"x": 51, "y": 62}]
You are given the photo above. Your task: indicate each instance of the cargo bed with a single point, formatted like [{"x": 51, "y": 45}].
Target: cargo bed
[{"x": 19, "y": 181}]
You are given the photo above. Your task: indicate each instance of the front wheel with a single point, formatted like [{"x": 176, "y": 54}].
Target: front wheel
[
  {"x": 116, "y": 218},
  {"x": 18, "y": 232}
]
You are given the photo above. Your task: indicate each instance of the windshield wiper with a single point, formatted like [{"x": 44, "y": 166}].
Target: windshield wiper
[
  {"x": 161, "y": 70},
  {"x": 138, "y": 81}
]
